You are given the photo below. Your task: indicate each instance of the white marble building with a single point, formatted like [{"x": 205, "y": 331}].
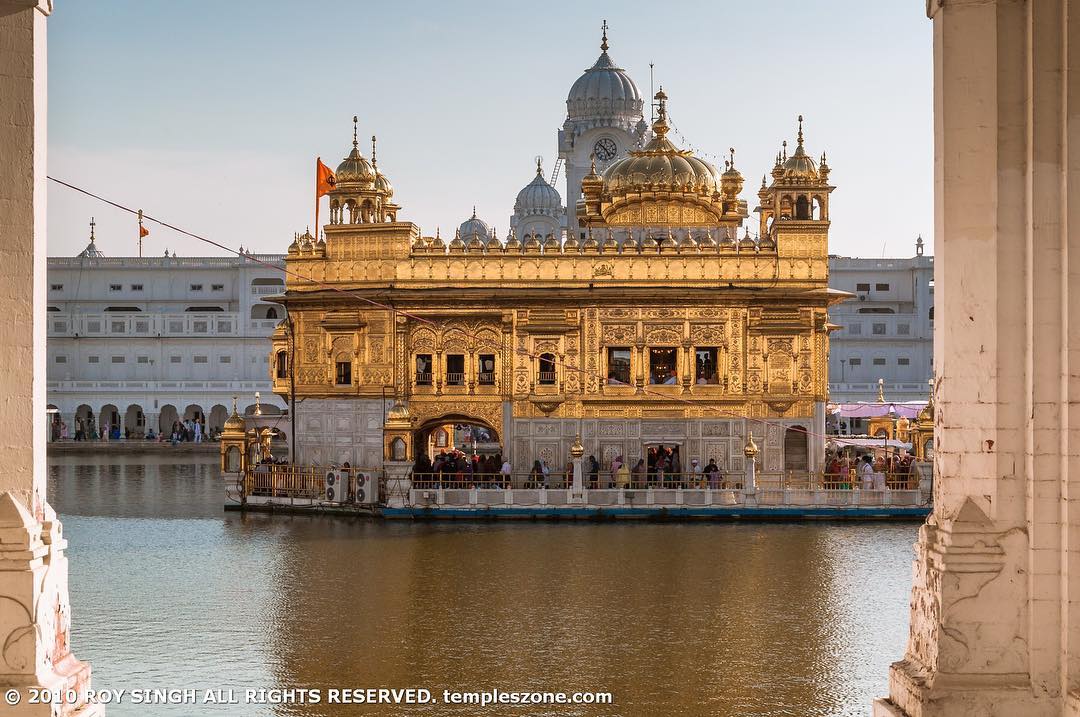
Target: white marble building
[
  {"x": 139, "y": 342},
  {"x": 887, "y": 329}
]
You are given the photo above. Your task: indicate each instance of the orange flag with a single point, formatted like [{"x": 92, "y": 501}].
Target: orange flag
[
  {"x": 324, "y": 179},
  {"x": 143, "y": 231}
]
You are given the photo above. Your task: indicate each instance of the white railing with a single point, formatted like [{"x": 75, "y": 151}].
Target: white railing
[
  {"x": 267, "y": 289},
  {"x": 163, "y": 261},
  {"x": 237, "y": 387}
]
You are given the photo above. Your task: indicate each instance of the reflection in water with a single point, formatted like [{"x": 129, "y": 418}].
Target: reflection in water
[{"x": 693, "y": 619}]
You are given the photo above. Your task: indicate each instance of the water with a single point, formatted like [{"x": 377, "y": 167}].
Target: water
[{"x": 169, "y": 591}]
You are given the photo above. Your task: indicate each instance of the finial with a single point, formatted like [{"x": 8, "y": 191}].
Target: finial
[
  {"x": 763, "y": 181},
  {"x": 354, "y": 143},
  {"x": 750, "y": 449},
  {"x": 732, "y": 150},
  {"x": 603, "y": 42},
  {"x": 373, "y": 162},
  {"x": 92, "y": 225},
  {"x": 785, "y": 149},
  {"x": 592, "y": 163},
  {"x": 234, "y": 405},
  {"x": 662, "y": 99},
  {"x": 881, "y": 390},
  {"x": 474, "y": 211},
  {"x": 538, "y": 169},
  {"x": 800, "y": 130}
]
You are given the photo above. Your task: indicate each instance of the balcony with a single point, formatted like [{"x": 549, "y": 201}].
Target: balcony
[
  {"x": 423, "y": 378},
  {"x": 546, "y": 378},
  {"x": 455, "y": 378}
]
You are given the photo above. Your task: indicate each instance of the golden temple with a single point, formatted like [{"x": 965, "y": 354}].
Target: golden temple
[{"x": 653, "y": 321}]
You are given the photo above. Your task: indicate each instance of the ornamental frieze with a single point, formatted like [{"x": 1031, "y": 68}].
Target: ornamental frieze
[
  {"x": 713, "y": 335},
  {"x": 661, "y": 335},
  {"x": 619, "y": 334}
]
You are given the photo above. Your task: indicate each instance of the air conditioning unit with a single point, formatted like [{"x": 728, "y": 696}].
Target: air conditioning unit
[
  {"x": 335, "y": 489},
  {"x": 366, "y": 488}
]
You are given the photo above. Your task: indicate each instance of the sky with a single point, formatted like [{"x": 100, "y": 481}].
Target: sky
[{"x": 209, "y": 114}]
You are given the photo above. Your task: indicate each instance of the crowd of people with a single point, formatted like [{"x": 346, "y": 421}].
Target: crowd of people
[
  {"x": 661, "y": 468},
  {"x": 845, "y": 468},
  {"x": 191, "y": 430}
]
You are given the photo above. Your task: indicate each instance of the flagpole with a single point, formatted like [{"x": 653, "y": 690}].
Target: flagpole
[
  {"x": 318, "y": 161},
  {"x": 140, "y": 233}
]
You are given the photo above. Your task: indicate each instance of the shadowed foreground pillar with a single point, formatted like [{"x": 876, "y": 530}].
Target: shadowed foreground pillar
[
  {"x": 996, "y": 577},
  {"x": 34, "y": 609}
]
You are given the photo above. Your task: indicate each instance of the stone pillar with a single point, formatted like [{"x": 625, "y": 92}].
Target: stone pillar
[
  {"x": 993, "y": 625},
  {"x": 35, "y": 613},
  {"x": 577, "y": 489}
]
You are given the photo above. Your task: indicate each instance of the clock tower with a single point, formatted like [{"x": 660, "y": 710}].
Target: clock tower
[{"x": 603, "y": 119}]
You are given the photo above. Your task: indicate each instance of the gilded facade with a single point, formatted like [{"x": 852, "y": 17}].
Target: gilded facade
[{"x": 654, "y": 318}]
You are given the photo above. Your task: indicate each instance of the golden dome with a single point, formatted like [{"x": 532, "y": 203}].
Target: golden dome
[
  {"x": 355, "y": 169},
  {"x": 799, "y": 167},
  {"x": 383, "y": 185},
  {"x": 398, "y": 412},
  {"x": 234, "y": 422},
  {"x": 660, "y": 165}
]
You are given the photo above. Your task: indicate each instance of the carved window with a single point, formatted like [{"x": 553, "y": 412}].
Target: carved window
[
  {"x": 618, "y": 366},
  {"x": 455, "y": 369},
  {"x": 705, "y": 365},
  {"x": 862, "y": 287},
  {"x": 423, "y": 369},
  {"x": 281, "y": 364},
  {"x": 547, "y": 370},
  {"x": 663, "y": 366},
  {"x": 343, "y": 373},
  {"x": 486, "y": 375}
]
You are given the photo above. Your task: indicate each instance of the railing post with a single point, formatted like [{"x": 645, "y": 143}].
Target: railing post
[{"x": 750, "y": 450}]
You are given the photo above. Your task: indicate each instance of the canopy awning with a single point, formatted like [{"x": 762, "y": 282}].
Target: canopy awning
[{"x": 907, "y": 409}]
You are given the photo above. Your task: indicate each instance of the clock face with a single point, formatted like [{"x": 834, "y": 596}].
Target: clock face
[{"x": 605, "y": 149}]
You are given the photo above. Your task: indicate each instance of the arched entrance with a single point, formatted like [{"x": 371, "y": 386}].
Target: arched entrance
[
  {"x": 110, "y": 421},
  {"x": 218, "y": 415},
  {"x": 166, "y": 418},
  {"x": 194, "y": 412},
  {"x": 134, "y": 421},
  {"x": 796, "y": 449},
  {"x": 456, "y": 433}
]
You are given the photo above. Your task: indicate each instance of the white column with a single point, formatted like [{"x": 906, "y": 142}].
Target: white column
[
  {"x": 577, "y": 488},
  {"x": 994, "y": 630},
  {"x": 35, "y": 614},
  {"x": 750, "y": 451}
]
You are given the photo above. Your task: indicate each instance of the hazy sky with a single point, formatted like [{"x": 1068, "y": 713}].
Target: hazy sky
[{"x": 210, "y": 114}]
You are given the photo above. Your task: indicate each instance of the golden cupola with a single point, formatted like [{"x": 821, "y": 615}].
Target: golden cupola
[
  {"x": 661, "y": 185},
  {"x": 355, "y": 168},
  {"x": 799, "y": 168},
  {"x": 361, "y": 193},
  {"x": 799, "y": 192}
]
